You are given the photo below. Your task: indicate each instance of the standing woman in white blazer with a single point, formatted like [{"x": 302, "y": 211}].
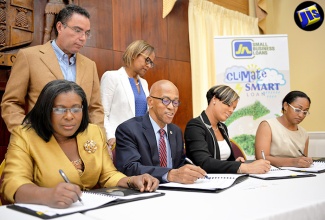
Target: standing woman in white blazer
[{"x": 124, "y": 91}]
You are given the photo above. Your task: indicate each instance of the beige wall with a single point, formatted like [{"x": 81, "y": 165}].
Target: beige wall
[{"x": 306, "y": 55}]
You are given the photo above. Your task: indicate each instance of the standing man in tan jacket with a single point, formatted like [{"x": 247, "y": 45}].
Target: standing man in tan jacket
[{"x": 35, "y": 66}]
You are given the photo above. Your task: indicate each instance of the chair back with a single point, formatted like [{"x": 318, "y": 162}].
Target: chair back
[{"x": 238, "y": 152}]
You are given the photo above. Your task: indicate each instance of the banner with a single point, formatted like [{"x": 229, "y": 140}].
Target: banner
[{"x": 257, "y": 68}]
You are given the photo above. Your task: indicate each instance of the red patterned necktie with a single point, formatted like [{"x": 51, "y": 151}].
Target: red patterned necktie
[{"x": 162, "y": 149}]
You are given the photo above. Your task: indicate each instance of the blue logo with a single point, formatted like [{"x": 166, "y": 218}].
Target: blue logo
[
  {"x": 309, "y": 16},
  {"x": 242, "y": 49}
]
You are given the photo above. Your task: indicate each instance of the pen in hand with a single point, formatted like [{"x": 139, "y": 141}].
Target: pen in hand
[
  {"x": 263, "y": 155},
  {"x": 302, "y": 154},
  {"x": 67, "y": 181},
  {"x": 191, "y": 162}
]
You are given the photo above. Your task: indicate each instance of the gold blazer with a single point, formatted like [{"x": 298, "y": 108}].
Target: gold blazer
[{"x": 30, "y": 159}]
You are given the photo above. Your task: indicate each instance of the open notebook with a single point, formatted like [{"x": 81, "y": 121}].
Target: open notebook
[
  {"x": 91, "y": 200},
  {"x": 316, "y": 167},
  {"x": 214, "y": 183},
  {"x": 278, "y": 173}
]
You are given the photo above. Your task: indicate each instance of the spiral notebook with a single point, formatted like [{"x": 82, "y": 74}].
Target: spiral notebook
[
  {"x": 91, "y": 200},
  {"x": 316, "y": 167},
  {"x": 213, "y": 183},
  {"x": 279, "y": 173}
]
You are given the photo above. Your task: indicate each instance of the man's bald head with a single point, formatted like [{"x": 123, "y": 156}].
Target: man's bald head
[{"x": 162, "y": 114}]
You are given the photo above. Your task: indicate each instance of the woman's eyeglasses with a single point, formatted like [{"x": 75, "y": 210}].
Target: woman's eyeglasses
[
  {"x": 60, "y": 111},
  {"x": 148, "y": 60},
  {"x": 298, "y": 110}
]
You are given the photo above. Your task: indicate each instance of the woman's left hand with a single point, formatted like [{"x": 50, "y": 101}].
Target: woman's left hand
[
  {"x": 145, "y": 182},
  {"x": 240, "y": 159}
]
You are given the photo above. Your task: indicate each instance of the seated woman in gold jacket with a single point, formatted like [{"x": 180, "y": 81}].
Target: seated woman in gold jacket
[{"x": 55, "y": 135}]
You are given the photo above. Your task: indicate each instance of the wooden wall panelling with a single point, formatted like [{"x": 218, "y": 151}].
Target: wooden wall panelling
[
  {"x": 236, "y": 5},
  {"x": 39, "y": 7},
  {"x": 178, "y": 36},
  {"x": 100, "y": 23},
  {"x": 117, "y": 62},
  {"x": 126, "y": 23},
  {"x": 154, "y": 27},
  {"x": 103, "y": 58},
  {"x": 180, "y": 75},
  {"x": 159, "y": 72}
]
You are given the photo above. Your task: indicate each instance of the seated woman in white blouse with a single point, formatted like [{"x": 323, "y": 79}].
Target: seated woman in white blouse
[{"x": 207, "y": 140}]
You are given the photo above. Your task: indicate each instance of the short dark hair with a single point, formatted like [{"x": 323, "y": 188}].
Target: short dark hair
[
  {"x": 291, "y": 97},
  {"x": 39, "y": 118},
  {"x": 222, "y": 92},
  {"x": 66, "y": 13}
]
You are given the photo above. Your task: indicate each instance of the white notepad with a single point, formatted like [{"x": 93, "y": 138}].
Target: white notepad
[
  {"x": 276, "y": 173},
  {"x": 90, "y": 201},
  {"x": 214, "y": 182},
  {"x": 316, "y": 167}
]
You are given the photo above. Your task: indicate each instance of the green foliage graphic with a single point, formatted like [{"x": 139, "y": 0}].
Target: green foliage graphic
[
  {"x": 246, "y": 141},
  {"x": 256, "y": 110}
]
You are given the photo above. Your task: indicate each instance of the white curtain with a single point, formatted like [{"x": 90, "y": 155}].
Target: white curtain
[{"x": 207, "y": 20}]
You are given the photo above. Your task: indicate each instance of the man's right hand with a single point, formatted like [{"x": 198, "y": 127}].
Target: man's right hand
[{"x": 186, "y": 174}]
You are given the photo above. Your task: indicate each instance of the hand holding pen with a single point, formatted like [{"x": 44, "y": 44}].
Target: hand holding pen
[
  {"x": 191, "y": 162},
  {"x": 65, "y": 178},
  {"x": 263, "y": 155},
  {"x": 308, "y": 160}
]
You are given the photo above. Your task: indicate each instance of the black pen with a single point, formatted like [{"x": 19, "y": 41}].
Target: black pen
[
  {"x": 302, "y": 154},
  {"x": 191, "y": 162},
  {"x": 67, "y": 181}
]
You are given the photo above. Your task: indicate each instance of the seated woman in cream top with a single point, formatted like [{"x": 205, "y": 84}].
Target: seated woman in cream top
[{"x": 283, "y": 140}]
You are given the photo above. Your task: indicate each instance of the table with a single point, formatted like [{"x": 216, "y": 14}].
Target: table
[
  {"x": 253, "y": 199},
  {"x": 299, "y": 198}
]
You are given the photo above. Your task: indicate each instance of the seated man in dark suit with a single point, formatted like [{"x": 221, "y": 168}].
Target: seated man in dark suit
[{"x": 152, "y": 144}]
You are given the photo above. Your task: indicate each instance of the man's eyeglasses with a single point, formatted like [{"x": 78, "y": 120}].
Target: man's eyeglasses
[
  {"x": 78, "y": 31},
  {"x": 148, "y": 60},
  {"x": 166, "y": 101},
  {"x": 298, "y": 110},
  {"x": 60, "y": 111}
]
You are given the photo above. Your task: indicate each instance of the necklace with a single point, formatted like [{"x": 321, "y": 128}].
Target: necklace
[
  {"x": 215, "y": 129},
  {"x": 137, "y": 84}
]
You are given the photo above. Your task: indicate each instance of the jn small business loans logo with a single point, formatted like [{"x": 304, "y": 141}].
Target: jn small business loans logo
[
  {"x": 309, "y": 16},
  {"x": 242, "y": 49}
]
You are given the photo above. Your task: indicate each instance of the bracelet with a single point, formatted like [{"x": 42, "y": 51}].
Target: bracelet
[{"x": 130, "y": 185}]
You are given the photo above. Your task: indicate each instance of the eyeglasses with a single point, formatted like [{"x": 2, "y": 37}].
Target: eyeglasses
[
  {"x": 148, "y": 60},
  {"x": 78, "y": 31},
  {"x": 298, "y": 110},
  {"x": 166, "y": 101},
  {"x": 60, "y": 111}
]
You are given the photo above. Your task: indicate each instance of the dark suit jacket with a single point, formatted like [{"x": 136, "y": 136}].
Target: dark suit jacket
[
  {"x": 136, "y": 148},
  {"x": 33, "y": 68},
  {"x": 203, "y": 150}
]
